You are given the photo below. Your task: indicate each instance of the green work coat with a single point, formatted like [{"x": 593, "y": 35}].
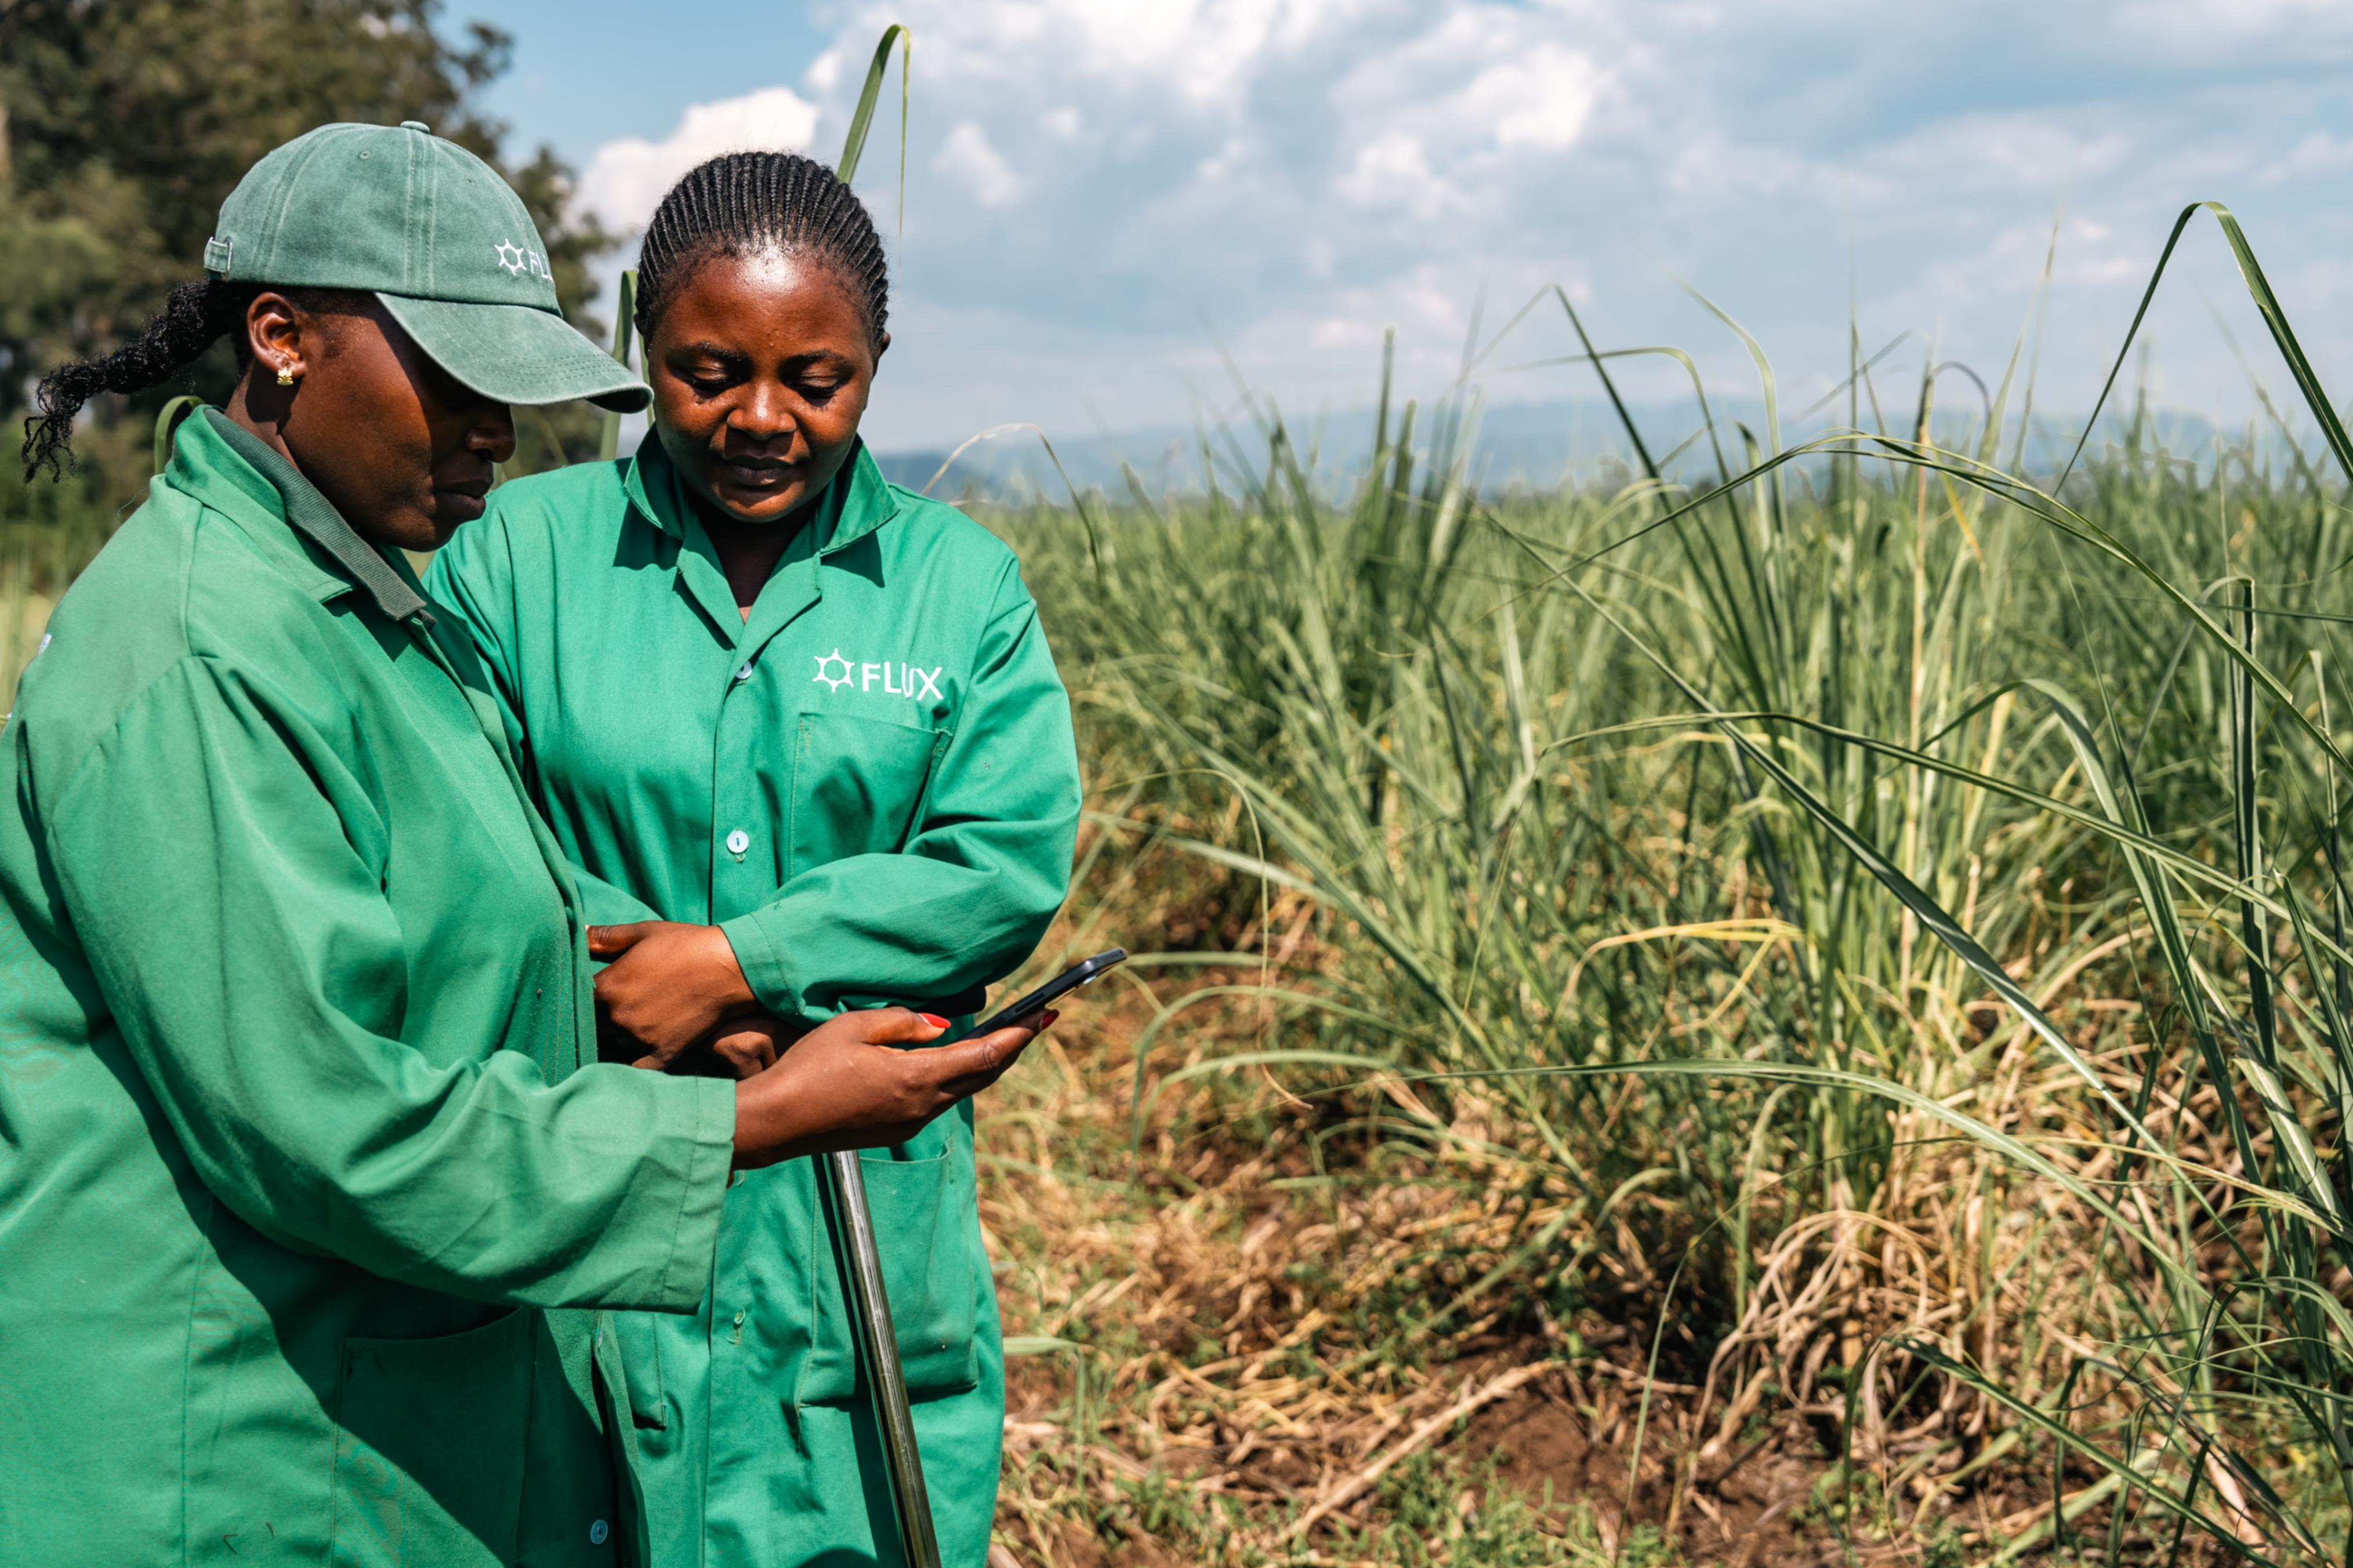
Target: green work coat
[
  {"x": 870, "y": 786},
  {"x": 296, "y": 1136}
]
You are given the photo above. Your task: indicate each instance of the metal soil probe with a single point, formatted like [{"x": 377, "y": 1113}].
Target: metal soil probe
[{"x": 919, "y": 1547}]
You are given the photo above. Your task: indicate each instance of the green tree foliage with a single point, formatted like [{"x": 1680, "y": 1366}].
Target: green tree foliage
[{"x": 124, "y": 122}]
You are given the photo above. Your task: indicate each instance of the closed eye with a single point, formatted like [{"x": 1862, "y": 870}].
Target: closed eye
[{"x": 708, "y": 368}]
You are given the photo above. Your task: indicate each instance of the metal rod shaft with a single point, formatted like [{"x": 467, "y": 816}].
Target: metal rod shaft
[{"x": 919, "y": 1546}]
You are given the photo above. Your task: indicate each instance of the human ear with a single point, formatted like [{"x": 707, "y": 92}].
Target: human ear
[{"x": 281, "y": 336}]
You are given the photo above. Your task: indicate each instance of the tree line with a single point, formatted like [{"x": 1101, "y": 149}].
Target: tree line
[{"x": 124, "y": 123}]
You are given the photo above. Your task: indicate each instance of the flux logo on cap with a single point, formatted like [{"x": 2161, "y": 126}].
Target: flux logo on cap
[{"x": 515, "y": 260}]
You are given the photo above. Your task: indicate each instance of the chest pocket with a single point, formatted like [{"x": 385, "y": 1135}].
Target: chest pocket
[{"x": 858, "y": 786}]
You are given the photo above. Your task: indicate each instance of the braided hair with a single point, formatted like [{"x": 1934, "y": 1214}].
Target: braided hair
[
  {"x": 197, "y": 316},
  {"x": 740, "y": 204}
]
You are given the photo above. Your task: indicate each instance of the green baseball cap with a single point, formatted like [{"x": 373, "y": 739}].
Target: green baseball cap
[{"x": 433, "y": 232}]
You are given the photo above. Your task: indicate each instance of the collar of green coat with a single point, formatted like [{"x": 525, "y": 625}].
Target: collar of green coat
[
  {"x": 858, "y": 501},
  {"x": 229, "y": 468}
]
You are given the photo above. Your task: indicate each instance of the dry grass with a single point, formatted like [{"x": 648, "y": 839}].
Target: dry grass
[{"x": 1282, "y": 1340}]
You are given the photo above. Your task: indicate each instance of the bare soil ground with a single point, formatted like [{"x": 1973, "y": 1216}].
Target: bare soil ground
[{"x": 1238, "y": 1350}]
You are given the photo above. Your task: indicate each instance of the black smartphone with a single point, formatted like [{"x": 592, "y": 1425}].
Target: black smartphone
[{"x": 1086, "y": 972}]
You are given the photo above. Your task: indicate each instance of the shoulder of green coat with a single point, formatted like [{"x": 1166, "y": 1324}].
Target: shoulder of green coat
[
  {"x": 177, "y": 581},
  {"x": 563, "y": 502},
  {"x": 528, "y": 519},
  {"x": 122, "y": 622},
  {"x": 559, "y": 491},
  {"x": 926, "y": 526}
]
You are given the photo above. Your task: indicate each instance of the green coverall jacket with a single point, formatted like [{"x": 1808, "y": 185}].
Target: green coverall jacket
[
  {"x": 300, "y": 1120},
  {"x": 870, "y": 786}
]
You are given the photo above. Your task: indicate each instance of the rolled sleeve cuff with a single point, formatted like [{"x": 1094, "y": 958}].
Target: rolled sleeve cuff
[
  {"x": 761, "y": 957},
  {"x": 696, "y": 1120}
]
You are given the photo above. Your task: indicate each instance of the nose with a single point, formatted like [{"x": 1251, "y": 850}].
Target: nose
[
  {"x": 493, "y": 432},
  {"x": 763, "y": 417}
]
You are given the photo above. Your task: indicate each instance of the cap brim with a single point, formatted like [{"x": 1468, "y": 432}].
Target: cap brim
[{"x": 516, "y": 354}]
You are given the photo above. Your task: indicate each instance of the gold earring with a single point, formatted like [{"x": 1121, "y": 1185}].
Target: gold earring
[{"x": 285, "y": 377}]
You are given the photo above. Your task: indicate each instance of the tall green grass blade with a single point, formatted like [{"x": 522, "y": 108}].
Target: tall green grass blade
[
  {"x": 862, "y": 120},
  {"x": 624, "y": 327},
  {"x": 2259, "y": 289}
]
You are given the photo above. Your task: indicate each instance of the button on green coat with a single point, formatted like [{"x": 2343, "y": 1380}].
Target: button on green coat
[
  {"x": 870, "y": 786},
  {"x": 296, "y": 1139}
]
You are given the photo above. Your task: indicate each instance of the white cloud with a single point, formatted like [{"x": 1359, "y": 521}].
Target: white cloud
[
  {"x": 2021, "y": 148},
  {"x": 627, "y": 178},
  {"x": 2318, "y": 154},
  {"x": 1709, "y": 169},
  {"x": 1488, "y": 93},
  {"x": 2202, "y": 24},
  {"x": 1393, "y": 170},
  {"x": 967, "y": 158},
  {"x": 1216, "y": 168},
  {"x": 1205, "y": 51},
  {"x": 1540, "y": 100},
  {"x": 2086, "y": 253},
  {"x": 1112, "y": 182}
]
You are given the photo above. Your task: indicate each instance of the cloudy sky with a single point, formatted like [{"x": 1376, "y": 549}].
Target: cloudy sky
[{"x": 1105, "y": 197}]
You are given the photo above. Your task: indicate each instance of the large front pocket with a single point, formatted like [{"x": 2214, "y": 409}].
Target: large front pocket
[
  {"x": 924, "y": 1230},
  {"x": 429, "y": 1448},
  {"x": 857, "y": 784}
]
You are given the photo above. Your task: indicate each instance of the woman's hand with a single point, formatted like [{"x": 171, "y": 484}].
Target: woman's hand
[
  {"x": 847, "y": 1085},
  {"x": 668, "y": 987},
  {"x": 742, "y": 1048},
  {"x": 747, "y": 1048}
]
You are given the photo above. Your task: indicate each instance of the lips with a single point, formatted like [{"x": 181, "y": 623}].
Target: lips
[
  {"x": 755, "y": 476},
  {"x": 461, "y": 502}
]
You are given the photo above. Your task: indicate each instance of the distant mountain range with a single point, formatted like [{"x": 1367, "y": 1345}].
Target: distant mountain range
[{"x": 1537, "y": 445}]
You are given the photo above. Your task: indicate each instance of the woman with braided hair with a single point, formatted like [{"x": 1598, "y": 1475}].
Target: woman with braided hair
[
  {"x": 314, "y": 1192},
  {"x": 799, "y": 733}
]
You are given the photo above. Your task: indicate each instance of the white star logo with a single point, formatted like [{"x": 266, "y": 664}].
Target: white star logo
[
  {"x": 832, "y": 683},
  {"x": 507, "y": 247}
]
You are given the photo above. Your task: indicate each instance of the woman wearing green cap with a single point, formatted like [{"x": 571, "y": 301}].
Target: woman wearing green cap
[
  {"x": 800, "y": 732},
  {"x": 302, "y": 1129}
]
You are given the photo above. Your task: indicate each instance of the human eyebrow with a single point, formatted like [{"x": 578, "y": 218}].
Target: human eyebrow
[
  {"x": 733, "y": 360},
  {"x": 821, "y": 359}
]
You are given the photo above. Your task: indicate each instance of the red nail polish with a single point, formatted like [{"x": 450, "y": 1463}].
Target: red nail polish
[
  {"x": 1048, "y": 1021},
  {"x": 934, "y": 1020}
]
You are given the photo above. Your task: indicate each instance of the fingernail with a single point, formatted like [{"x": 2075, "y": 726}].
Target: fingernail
[
  {"x": 1048, "y": 1021},
  {"x": 934, "y": 1020}
]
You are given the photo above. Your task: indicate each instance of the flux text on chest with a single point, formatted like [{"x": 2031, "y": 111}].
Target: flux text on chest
[{"x": 898, "y": 679}]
